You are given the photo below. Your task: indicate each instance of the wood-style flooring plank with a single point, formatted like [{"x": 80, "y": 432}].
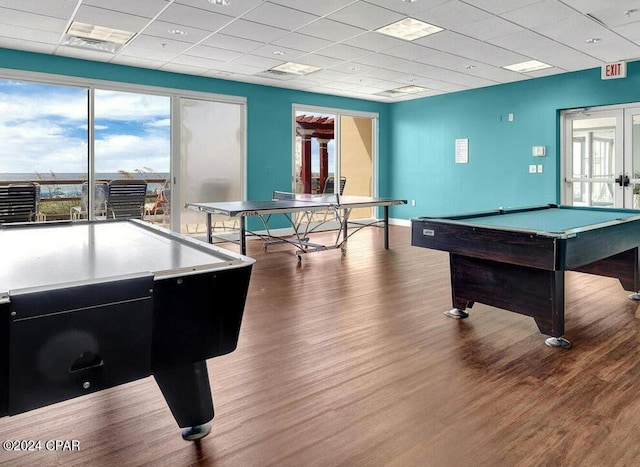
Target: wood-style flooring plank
[{"x": 349, "y": 361}]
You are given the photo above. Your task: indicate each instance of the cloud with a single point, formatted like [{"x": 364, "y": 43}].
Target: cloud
[{"x": 43, "y": 128}]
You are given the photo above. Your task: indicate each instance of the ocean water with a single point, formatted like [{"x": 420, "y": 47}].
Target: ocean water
[{"x": 66, "y": 188}]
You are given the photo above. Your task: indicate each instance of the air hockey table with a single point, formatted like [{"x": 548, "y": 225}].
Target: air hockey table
[{"x": 86, "y": 306}]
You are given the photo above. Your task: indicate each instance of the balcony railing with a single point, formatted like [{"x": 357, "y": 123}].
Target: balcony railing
[{"x": 56, "y": 201}]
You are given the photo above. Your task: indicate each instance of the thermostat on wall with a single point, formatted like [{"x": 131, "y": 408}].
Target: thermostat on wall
[{"x": 538, "y": 151}]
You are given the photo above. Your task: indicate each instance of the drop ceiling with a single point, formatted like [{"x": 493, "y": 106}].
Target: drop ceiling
[{"x": 244, "y": 40}]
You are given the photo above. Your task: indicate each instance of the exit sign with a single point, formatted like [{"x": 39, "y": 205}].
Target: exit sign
[{"x": 614, "y": 70}]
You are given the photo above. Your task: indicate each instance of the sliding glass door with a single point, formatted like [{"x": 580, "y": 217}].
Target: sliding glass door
[
  {"x": 73, "y": 140},
  {"x": 338, "y": 146}
]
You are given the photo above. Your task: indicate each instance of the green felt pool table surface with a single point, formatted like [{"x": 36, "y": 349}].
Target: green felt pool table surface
[{"x": 550, "y": 219}]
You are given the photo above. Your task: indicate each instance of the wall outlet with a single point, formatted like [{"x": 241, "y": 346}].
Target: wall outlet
[{"x": 532, "y": 169}]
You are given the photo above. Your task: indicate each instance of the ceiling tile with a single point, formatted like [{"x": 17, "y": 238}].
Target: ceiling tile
[
  {"x": 353, "y": 68},
  {"x": 238, "y": 44},
  {"x": 234, "y": 8},
  {"x": 137, "y": 62},
  {"x": 320, "y": 8},
  {"x": 488, "y": 28},
  {"x": 302, "y": 42},
  {"x": 452, "y": 15},
  {"x": 54, "y": 8},
  {"x": 318, "y": 60},
  {"x": 408, "y": 8},
  {"x": 382, "y": 60},
  {"x": 500, "y": 6},
  {"x": 162, "y": 29},
  {"x": 463, "y": 46},
  {"x": 194, "y": 17},
  {"x": 27, "y": 34},
  {"x": 110, "y": 19},
  {"x": 541, "y": 13},
  {"x": 140, "y": 52},
  {"x": 213, "y": 53},
  {"x": 366, "y": 16},
  {"x": 621, "y": 13},
  {"x": 145, "y": 8},
  {"x": 278, "y": 16},
  {"x": 630, "y": 31},
  {"x": 183, "y": 68},
  {"x": 575, "y": 30},
  {"x": 588, "y": 6},
  {"x": 253, "y": 31},
  {"x": 374, "y": 41},
  {"x": 29, "y": 46},
  {"x": 255, "y": 61},
  {"x": 274, "y": 51},
  {"x": 191, "y": 61},
  {"x": 29, "y": 20},
  {"x": 615, "y": 50},
  {"x": 153, "y": 43},
  {"x": 343, "y": 52},
  {"x": 330, "y": 30}
]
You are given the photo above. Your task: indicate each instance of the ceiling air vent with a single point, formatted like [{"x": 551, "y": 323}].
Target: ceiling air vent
[{"x": 275, "y": 74}]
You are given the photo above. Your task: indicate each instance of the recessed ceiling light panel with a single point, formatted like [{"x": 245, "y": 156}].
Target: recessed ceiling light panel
[
  {"x": 99, "y": 33},
  {"x": 98, "y": 38},
  {"x": 409, "y": 29},
  {"x": 526, "y": 67}
]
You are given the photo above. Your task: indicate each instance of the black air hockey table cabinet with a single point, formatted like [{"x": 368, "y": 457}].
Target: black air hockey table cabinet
[{"x": 85, "y": 306}]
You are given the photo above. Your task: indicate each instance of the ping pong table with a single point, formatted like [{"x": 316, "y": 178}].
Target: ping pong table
[{"x": 298, "y": 209}]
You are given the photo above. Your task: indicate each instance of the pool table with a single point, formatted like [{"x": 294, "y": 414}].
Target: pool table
[
  {"x": 85, "y": 306},
  {"x": 515, "y": 259}
]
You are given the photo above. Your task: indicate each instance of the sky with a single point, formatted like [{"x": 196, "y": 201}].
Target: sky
[{"x": 43, "y": 129}]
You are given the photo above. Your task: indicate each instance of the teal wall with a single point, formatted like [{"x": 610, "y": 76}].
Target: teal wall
[
  {"x": 423, "y": 132},
  {"x": 416, "y": 138},
  {"x": 269, "y": 110}
]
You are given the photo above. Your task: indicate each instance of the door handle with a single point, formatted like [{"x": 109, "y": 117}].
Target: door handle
[{"x": 622, "y": 180}]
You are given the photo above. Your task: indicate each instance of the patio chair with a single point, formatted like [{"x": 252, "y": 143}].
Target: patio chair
[
  {"x": 329, "y": 185},
  {"x": 162, "y": 205},
  {"x": 100, "y": 193},
  {"x": 19, "y": 203},
  {"x": 126, "y": 199}
]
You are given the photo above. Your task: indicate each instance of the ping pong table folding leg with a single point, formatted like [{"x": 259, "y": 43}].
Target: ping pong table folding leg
[{"x": 188, "y": 394}]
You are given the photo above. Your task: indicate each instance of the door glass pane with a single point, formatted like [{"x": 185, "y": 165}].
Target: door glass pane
[
  {"x": 635, "y": 151},
  {"x": 43, "y": 129},
  {"x": 211, "y": 159},
  {"x": 132, "y": 140},
  {"x": 593, "y": 159},
  {"x": 315, "y": 151}
]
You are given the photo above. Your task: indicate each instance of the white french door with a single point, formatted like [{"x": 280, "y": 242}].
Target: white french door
[{"x": 602, "y": 157}]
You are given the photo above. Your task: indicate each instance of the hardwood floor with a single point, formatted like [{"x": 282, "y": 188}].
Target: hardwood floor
[{"x": 349, "y": 361}]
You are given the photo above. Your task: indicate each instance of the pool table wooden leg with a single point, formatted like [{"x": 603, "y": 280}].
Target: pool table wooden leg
[
  {"x": 188, "y": 394},
  {"x": 537, "y": 293}
]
